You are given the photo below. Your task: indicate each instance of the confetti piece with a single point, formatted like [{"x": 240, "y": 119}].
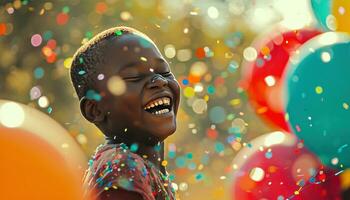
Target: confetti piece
[
  {"x": 68, "y": 62},
  {"x": 62, "y": 18},
  {"x": 100, "y": 77},
  {"x": 3, "y": 29},
  {"x": 164, "y": 163},
  {"x": 134, "y": 147},
  {"x": 49, "y": 110},
  {"x": 118, "y": 33},
  {"x": 101, "y": 7},
  {"x": 319, "y": 90},
  {"x": 340, "y": 149},
  {"x": 268, "y": 155},
  {"x": 336, "y": 174},
  {"x": 36, "y": 40},
  {"x": 39, "y": 72},
  {"x": 93, "y": 95}
]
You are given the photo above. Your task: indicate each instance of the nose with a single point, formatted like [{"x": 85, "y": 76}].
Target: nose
[{"x": 157, "y": 81}]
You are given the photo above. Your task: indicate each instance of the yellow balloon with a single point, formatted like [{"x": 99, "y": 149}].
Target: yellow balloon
[
  {"x": 345, "y": 179},
  {"x": 341, "y": 12}
]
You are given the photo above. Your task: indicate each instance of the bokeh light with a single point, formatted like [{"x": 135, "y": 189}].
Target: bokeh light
[
  {"x": 11, "y": 115},
  {"x": 116, "y": 85}
]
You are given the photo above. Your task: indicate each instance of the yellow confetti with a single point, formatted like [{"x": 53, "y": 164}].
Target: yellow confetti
[
  {"x": 143, "y": 59},
  {"x": 164, "y": 163},
  {"x": 319, "y": 90},
  {"x": 235, "y": 102},
  {"x": 68, "y": 62},
  {"x": 286, "y": 117},
  {"x": 189, "y": 92},
  {"x": 345, "y": 106}
]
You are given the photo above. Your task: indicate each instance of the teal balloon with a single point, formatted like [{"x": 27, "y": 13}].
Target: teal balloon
[
  {"x": 322, "y": 9},
  {"x": 317, "y": 97}
]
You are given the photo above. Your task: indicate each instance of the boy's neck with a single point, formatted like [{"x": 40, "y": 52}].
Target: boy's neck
[{"x": 154, "y": 154}]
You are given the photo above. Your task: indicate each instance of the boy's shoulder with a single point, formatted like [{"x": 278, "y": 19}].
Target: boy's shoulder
[
  {"x": 117, "y": 155},
  {"x": 115, "y": 166}
]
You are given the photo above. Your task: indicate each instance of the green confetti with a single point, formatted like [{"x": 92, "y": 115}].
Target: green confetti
[{"x": 118, "y": 33}]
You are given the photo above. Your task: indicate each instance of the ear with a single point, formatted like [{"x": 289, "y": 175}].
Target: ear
[{"x": 91, "y": 110}]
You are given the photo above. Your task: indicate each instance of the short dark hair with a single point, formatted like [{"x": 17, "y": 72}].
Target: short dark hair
[{"x": 88, "y": 57}]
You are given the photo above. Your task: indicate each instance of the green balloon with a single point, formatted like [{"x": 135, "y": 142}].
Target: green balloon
[
  {"x": 322, "y": 10},
  {"x": 317, "y": 88}
]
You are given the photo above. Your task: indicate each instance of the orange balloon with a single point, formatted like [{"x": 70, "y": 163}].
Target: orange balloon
[
  {"x": 341, "y": 11},
  {"x": 31, "y": 168}
]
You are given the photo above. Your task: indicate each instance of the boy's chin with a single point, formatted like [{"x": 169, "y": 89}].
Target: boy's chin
[{"x": 156, "y": 138}]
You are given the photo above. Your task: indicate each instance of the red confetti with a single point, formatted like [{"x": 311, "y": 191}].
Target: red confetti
[
  {"x": 52, "y": 58},
  {"x": 52, "y": 44},
  {"x": 62, "y": 18},
  {"x": 2, "y": 29},
  {"x": 200, "y": 53},
  {"x": 212, "y": 133},
  {"x": 101, "y": 7}
]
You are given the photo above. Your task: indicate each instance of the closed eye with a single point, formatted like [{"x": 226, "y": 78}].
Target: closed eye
[
  {"x": 166, "y": 74},
  {"x": 134, "y": 79}
]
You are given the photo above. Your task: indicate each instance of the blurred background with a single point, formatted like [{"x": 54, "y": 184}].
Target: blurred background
[{"x": 205, "y": 42}]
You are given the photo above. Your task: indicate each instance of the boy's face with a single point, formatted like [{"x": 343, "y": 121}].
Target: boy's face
[{"x": 147, "y": 78}]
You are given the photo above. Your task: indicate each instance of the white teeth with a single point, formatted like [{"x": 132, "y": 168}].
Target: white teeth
[
  {"x": 161, "y": 111},
  {"x": 166, "y": 101},
  {"x": 160, "y": 101}
]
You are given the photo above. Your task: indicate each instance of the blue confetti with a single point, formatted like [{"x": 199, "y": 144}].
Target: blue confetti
[
  {"x": 81, "y": 72},
  {"x": 268, "y": 155},
  {"x": 134, "y": 147}
]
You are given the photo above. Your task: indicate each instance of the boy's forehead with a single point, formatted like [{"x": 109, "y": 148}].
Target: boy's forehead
[
  {"x": 130, "y": 40},
  {"x": 128, "y": 49}
]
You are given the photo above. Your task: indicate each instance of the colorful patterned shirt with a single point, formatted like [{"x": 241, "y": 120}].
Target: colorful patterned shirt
[{"x": 115, "y": 166}]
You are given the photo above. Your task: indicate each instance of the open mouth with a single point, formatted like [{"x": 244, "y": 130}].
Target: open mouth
[{"x": 159, "y": 106}]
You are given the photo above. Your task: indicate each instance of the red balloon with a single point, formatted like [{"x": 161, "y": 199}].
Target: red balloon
[
  {"x": 277, "y": 166},
  {"x": 262, "y": 77}
]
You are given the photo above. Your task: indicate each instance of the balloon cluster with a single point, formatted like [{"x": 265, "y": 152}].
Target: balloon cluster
[{"x": 298, "y": 81}]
